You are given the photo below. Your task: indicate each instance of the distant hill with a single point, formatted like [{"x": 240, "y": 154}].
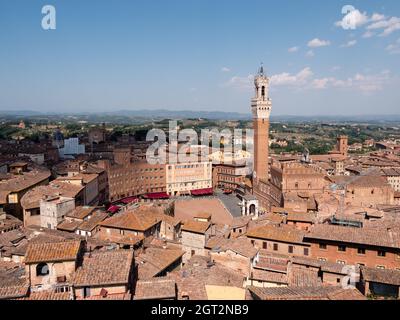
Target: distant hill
[{"x": 131, "y": 115}]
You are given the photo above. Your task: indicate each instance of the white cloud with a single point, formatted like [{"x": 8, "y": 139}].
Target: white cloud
[
  {"x": 316, "y": 43},
  {"x": 377, "y": 17},
  {"x": 225, "y": 69},
  {"x": 310, "y": 54},
  {"x": 285, "y": 78},
  {"x": 368, "y": 34},
  {"x": 394, "y": 48},
  {"x": 353, "y": 20},
  {"x": 240, "y": 82},
  {"x": 321, "y": 83},
  {"x": 365, "y": 83},
  {"x": 389, "y": 26},
  {"x": 349, "y": 44},
  {"x": 293, "y": 49},
  {"x": 336, "y": 68}
]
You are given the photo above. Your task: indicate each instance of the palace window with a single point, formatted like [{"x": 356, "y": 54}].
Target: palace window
[{"x": 381, "y": 253}]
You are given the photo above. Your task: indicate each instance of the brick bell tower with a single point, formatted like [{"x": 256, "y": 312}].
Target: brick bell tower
[{"x": 261, "y": 106}]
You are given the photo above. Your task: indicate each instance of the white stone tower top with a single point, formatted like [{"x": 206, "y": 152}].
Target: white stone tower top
[{"x": 261, "y": 104}]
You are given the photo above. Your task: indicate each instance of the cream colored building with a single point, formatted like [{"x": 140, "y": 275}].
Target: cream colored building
[
  {"x": 54, "y": 209},
  {"x": 181, "y": 178},
  {"x": 239, "y": 156}
]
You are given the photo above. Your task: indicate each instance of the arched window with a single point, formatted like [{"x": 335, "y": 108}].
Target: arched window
[{"x": 42, "y": 269}]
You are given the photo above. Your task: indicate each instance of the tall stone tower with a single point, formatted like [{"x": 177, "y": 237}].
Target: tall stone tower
[
  {"x": 261, "y": 106},
  {"x": 342, "y": 145}
]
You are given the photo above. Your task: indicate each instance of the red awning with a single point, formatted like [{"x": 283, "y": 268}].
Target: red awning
[
  {"x": 156, "y": 195},
  {"x": 202, "y": 192},
  {"x": 129, "y": 200},
  {"x": 113, "y": 209}
]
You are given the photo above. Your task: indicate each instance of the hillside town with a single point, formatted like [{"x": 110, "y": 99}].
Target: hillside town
[{"x": 90, "y": 218}]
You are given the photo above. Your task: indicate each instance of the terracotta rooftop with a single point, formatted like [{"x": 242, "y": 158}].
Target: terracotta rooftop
[
  {"x": 67, "y": 225},
  {"x": 129, "y": 220},
  {"x": 281, "y": 233},
  {"x": 269, "y": 276},
  {"x": 32, "y": 198},
  {"x": 197, "y": 273},
  {"x": 14, "y": 291},
  {"x": 301, "y": 217},
  {"x": 110, "y": 297},
  {"x": 13, "y": 283},
  {"x": 54, "y": 251},
  {"x": 104, "y": 268},
  {"x": 48, "y": 295},
  {"x": 80, "y": 212},
  {"x": 196, "y": 226},
  {"x": 157, "y": 288},
  {"x": 10, "y": 222},
  {"x": 155, "y": 260},
  {"x": 366, "y": 236},
  {"x": 385, "y": 276},
  {"x": 241, "y": 246},
  {"x": 203, "y": 215},
  {"x": 18, "y": 183},
  {"x": 322, "y": 265},
  {"x": 306, "y": 293},
  {"x": 369, "y": 181},
  {"x": 93, "y": 222},
  {"x": 303, "y": 277}
]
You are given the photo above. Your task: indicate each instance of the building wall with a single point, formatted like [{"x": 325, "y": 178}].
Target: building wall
[
  {"x": 229, "y": 177},
  {"x": 333, "y": 279},
  {"x": 136, "y": 178},
  {"x": 193, "y": 242},
  {"x": 56, "y": 269},
  {"x": 95, "y": 291},
  {"x": 283, "y": 248},
  {"x": 181, "y": 178},
  {"x": 92, "y": 192},
  {"x": 300, "y": 225},
  {"x": 351, "y": 256},
  {"x": 394, "y": 181},
  {"x": 369, "y": 196},
  {"x": 53, "y": 212},
  {"x": 168, "y": 231},
  {"x": 261, "y": 151},
  {"x": 298, "y": 178}
]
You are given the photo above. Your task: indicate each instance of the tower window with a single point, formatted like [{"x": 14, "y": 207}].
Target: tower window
[{"x": 263, "y": 91}]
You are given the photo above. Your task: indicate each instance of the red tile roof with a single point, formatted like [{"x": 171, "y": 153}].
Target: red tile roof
[{"x": 54, "y": 251}]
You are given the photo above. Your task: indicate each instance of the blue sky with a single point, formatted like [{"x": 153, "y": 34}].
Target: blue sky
[{"x": 200, "y": 55}]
